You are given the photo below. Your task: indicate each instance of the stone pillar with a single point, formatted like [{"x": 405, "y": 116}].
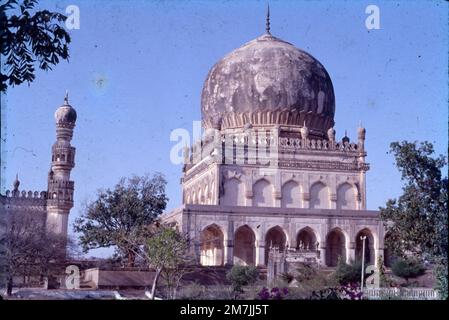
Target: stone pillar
[
  {"x": 333, "y": 200},
  {"x": 350, "y": 252},
  {"x": 229, "y": 245},
  {"x": 306, "y": 199},
  {"x": 197, "y": 252},
  {"x": 229, "y": 253},
  {"x": 277, "y": 196},
  {"x": 292, "y": 234},
  {"x": 323, "y": 256},
  {"x": 260, "y": 253}
]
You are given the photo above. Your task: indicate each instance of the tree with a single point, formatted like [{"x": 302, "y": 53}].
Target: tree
[
  {"x": 167, "y": 250},
  {"x": 173, "y": 274},
  {"x": 417, "y": 222},
  {"x": 120, "y": 217},
  {"x": 26, "y": 249},
  {"x": 407, "y": 268},
  {"x": 29, "y": 37}
]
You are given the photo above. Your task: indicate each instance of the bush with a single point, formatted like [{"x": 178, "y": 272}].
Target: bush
[
  {"x": 441, "y": 277},
  {"x": 242, "y": 276},
  {"x": 306, "y": 272},
  {"x": 305, "y": 284},
  {"x": 407, "y": 268},
  {"x": 273, "y": 294},
  {"x": 384, "y": 279},
  {"x": 348, "y": 273}
]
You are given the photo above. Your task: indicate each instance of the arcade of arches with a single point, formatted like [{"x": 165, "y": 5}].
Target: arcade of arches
[{"x": 246, "y": 250}]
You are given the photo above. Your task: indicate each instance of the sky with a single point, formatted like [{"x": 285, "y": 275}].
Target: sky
[{"x": 137, "y": 68}]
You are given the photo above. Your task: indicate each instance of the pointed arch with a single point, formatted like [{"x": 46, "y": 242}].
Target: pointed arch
[
  {"x": 369, "y": 246},
  {"x": 335, "y": 247},
  {"x": 306, "y": 240},
  {"x": 263, "y": 193},
  {"x": 233, "y": 193},
  {"x": 319, "y": 196},
  {"x": 291, "y": 195},
  {"x": 346, "y": 196},
  {"x": 244, "y": 246},
  {"x": 211, "y": 246},
  {"x": 274, "y": 238}
]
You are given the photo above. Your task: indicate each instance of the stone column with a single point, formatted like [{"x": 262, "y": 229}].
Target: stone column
[
  {"x": 306, "y": 199},
  {"x": 333, "y": 200},
  {"x": 260, "y": 253},
  {"x": 229, "y": 253},
  {"x": 323, "y": 255},
  {"x": 350, "y": 252},
  {"x": 229, "y": 245},
  {"x": 197, "y": 252}
]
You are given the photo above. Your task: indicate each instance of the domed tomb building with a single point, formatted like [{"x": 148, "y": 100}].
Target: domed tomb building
[{"x": 270, "y": 174}]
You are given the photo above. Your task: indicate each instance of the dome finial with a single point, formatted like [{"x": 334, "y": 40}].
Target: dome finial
[
  {"x": 66, "y": 98},
  {"x": 267, "y": 26}
]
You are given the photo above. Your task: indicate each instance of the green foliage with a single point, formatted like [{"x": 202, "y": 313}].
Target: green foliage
[
  {"x": 441, "y": 277},
  {"x": 167, "y": 248},
  {"x": 28, "y": 37},
  {"x": 348, "y": 273},
  {"x": 305, "y": 272},
  {"x": 307, "y": 279},
  {"x": 407, "y": 268},
  {"x": 241, "y": 276},
  {"x": 417, "y": 221},
  {"x": 384, "y": 280},
  {"x": 167, "y": 252},
  {"x": 120, "y": 217}
]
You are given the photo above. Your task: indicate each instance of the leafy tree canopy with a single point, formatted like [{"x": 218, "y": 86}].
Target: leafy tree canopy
[
  {"x": 417, "y": 221},
  {"x": 167, "y": 250},
  {"x": 29, "y": 37},
  {"x": 121, "y": 217}
]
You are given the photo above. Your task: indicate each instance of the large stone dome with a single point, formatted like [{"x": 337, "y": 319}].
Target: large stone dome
[{"x": 268, "y": 82}]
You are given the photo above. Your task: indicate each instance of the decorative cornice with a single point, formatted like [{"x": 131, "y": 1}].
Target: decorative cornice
[{"x": 318, "y": 124}]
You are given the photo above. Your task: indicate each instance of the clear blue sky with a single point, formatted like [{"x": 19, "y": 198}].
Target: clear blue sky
[{"x": 137, "y": 68}]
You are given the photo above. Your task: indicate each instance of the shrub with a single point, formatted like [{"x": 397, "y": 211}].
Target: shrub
[
  {"x": 192, "y": 291},
  {"x": 407, "y": 268},
  {"x": 273, "y": 294},
  {"x": 441, "y": 277},
  {"x": 240, "y": 276},
  {"x": 348, "y": 273},
  {"x": 306, "y": 285},
  {"x": 306, "y": 272},
  {"x": 384, "y": 280}
]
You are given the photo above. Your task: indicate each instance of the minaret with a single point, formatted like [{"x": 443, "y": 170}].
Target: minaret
[{"x": 60, "y": 187}]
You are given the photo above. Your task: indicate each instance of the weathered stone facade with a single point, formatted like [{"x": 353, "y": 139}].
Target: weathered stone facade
[{"x": 269, "y": 171}]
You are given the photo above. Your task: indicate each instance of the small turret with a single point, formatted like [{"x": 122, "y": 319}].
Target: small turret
[{"x": 345, "y": 138}]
